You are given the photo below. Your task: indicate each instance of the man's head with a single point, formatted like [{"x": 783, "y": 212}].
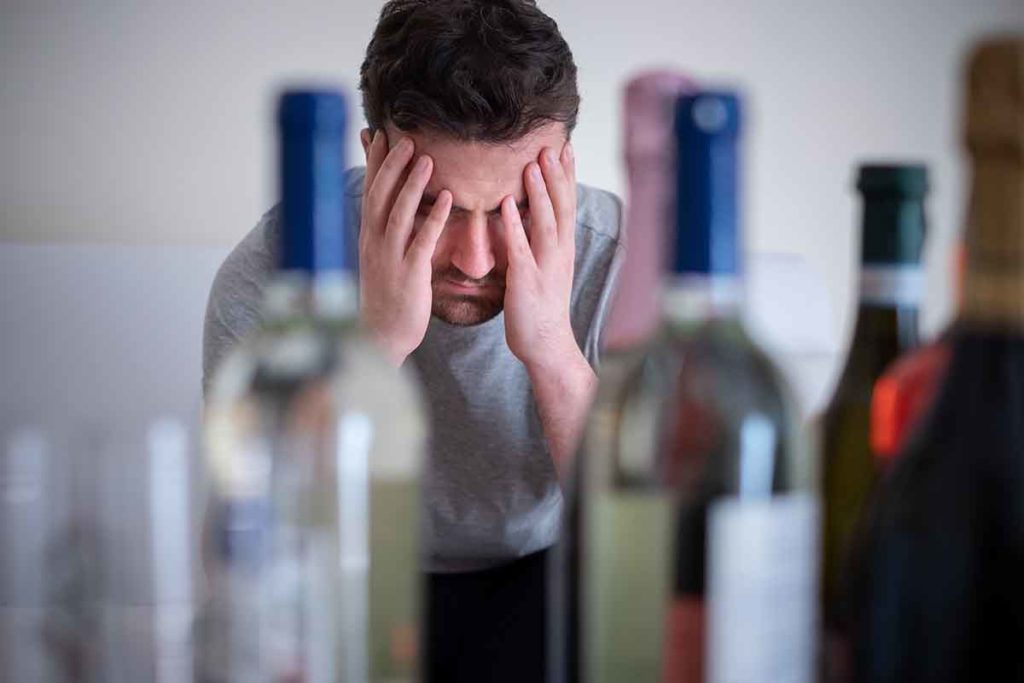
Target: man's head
[{"x": 481, "y": 86}]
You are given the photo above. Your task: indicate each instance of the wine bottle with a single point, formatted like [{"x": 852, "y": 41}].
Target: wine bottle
[
  {"x": 314, "y": 445},
  {"x": 697, "y": 528},
  {"x": 648, "y": 110},
  {"x": 887, "y": 322},
  {"x": 937, "y": 594},
  {"x": 649, "y": 101}
]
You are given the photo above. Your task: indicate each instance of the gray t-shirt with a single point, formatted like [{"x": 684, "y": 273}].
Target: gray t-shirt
[{"x": 492, "y": 493}]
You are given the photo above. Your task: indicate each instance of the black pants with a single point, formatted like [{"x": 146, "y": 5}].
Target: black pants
[{"x": 487, "y": 626}]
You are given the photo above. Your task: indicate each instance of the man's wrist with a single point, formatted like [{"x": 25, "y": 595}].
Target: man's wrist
[
  {"x": 385, "y": 345},
  {"x": 562, "y": 356}
]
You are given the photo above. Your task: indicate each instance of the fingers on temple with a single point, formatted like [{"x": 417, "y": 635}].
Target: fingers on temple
[
  {"x": 562, "y": 191},
  {"x": 425, "y": 241},
  {"x": 543, "y": 223},
  {"x": 568, "y": 159},
  {"x": 407, "y": 203},
  {"x": 375, "y": 156},
  {"x": 381, "y": 190},
  {"x": 518, "y": 245}
]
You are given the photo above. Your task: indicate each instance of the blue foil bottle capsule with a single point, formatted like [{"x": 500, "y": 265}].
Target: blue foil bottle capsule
[
  {"x": 707, "y": 235},
  {"x": 313, "y": 204}
]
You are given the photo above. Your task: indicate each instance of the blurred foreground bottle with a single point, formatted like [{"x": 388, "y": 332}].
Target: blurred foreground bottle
[
  {"x": 648, "y": 111},
  {"x": 938, "y": 592},
  {"x": 96, "y": 562},
  {"x": 697, "y": 530},
  {"x": 893, "y": 227},
  {"x": 314, "y": 447}
]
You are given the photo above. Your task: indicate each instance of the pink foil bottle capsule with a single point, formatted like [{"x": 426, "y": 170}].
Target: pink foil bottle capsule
[{"x": 649, "y": 153}]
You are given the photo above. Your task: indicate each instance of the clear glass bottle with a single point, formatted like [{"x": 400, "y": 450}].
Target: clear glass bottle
[
  {"x": 695, "y": 521},
  {"x": 649, "y": 100},
  {"x": 314, "y": 446}
]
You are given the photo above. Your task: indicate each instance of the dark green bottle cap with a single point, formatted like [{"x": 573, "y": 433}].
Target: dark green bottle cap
[
  {"x": 894, "y": 218},
  {"x": 905, "y": 180}
]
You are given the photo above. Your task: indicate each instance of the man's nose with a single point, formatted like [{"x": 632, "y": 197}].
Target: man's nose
[{"x": 474, "y": 254}]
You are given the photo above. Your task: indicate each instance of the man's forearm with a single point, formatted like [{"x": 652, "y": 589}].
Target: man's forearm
[{"x": 564, "y": 387}]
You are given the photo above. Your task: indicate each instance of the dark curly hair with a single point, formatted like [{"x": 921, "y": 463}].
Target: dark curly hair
[{"x": 477, "y": 70}]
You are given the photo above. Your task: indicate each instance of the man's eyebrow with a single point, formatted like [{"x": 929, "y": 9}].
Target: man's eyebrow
[{"x": 430, "y": 199}]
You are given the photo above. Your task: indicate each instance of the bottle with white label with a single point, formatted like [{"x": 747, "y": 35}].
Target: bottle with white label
[
  {"x": 696, "y": 524},
  {"x": 314, "y": 446},
  {"x": 887, "y": 327}
]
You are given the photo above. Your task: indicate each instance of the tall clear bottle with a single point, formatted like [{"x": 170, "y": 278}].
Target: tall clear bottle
[
  {"x": 697, "y": 528},
  {"x": 892, "y": 235},
  {"x": 938, "y": 592},
  {"x": 314, "y": 446}
]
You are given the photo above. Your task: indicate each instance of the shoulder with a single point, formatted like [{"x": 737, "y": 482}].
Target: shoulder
[
  {"x": 599, "y": 253},
  {"x": 599, "y": 235},
  {"x": 598, "y": 212},
  {"x": 252, "y": 259},
  {"x": 354, "y": 182}
]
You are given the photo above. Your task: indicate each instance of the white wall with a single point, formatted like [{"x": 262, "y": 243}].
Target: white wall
[
  {"x": 149, "y": 122},
  {"x": 101, "y": 334}
]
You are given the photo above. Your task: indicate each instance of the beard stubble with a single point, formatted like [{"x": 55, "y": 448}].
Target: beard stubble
[{"x": 467, "y": 310}]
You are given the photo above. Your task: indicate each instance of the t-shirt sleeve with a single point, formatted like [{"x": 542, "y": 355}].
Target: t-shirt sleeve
[
  {"x": 235, "y": 306},
  {"x": 233, "y": 309},
  {"x": 592, "y": 342},
  {"x": 599, "y": 254}
]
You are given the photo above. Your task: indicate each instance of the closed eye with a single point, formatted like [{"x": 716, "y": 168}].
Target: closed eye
[{"x": 428, "y": 201}]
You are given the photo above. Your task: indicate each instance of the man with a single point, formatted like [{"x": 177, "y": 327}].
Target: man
[{"x": 488, "y": 268}]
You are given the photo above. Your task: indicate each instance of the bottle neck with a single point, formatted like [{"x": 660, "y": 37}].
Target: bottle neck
[
  {"x": 993, "y": 294},
  {"x": 328, "y": 296},
  {"x": 690, "y": 299},
  {"x": 893, "y": 229},
  {"x": 891, "y": 285},
  {"x": 895, "y": 326},
  {"x": 891, "y": 281},
  {"x": 635, "y": 313}
]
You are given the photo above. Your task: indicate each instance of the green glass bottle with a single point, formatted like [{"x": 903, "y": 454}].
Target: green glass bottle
[{"x": 887, "y": 321}]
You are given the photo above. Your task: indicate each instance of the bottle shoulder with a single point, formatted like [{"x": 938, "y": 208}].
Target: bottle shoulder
[
  {"x": 686, "y": 407},
  {"x": 715, "y": 357},
  {"x": 283, "y": 357}
]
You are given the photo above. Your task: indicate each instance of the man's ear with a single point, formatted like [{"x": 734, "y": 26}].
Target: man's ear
[{"x": 366, "y": 139}]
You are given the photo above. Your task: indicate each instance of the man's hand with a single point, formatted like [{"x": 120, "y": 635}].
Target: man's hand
[
  {"x": 538, "y": 286},
  {"x": 394, "y": 263},
  {"x": 538, "y": 282}
]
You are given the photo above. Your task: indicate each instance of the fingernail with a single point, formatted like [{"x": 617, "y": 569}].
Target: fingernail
[
  {"x": 569, "y": 153},
  {"x": 422, "y": 163},
  {"x": 535, "y": 171},
  {"x": 405, "y": 144},
  {"x": 549, "y": 155},
  {"x": 376, "y": 137}
]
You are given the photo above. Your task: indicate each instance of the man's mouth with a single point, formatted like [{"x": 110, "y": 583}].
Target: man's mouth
[
  {"x": 463, "y": 286},
  {"x": 468, "y": 287}
]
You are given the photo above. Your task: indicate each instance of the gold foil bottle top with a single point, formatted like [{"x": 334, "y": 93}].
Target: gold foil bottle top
[{"x": 994, "y": 136}]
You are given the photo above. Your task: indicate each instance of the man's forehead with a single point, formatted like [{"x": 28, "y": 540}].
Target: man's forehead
[{"x": 480, "y": 174}]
